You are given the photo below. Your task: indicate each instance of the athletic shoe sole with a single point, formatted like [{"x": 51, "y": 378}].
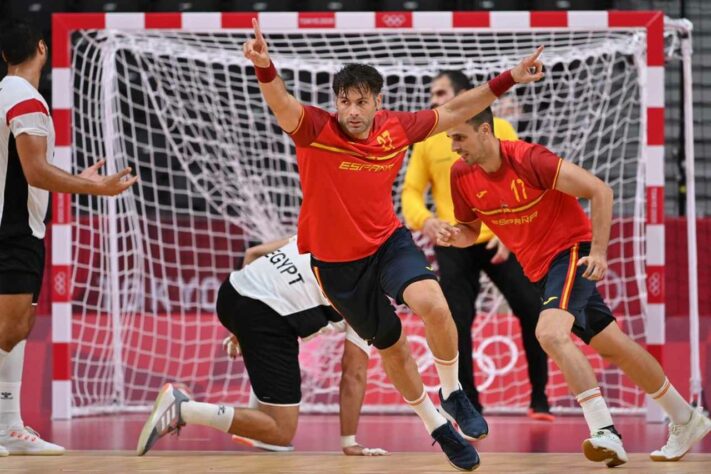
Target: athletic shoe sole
[
  {"x": 253, "y": 443},
  {"x": 149, "y": 426},
  {"x": 456, "y": 426},
  {"x": 600, "y": 454},
  {"x": 674, "y": 459}
]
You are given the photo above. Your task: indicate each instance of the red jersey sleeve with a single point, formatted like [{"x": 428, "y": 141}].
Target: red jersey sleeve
[
  {"x": 312, "y": 121},
  {"x": 539, "y": 167},
  {"x": 462, "y": 210},
  {"x": 417, "y": 125}
]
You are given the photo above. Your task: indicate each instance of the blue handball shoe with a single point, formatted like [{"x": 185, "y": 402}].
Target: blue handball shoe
[
  {"x": 458, "y": 409},
  {"x": 461, "y": 454}
]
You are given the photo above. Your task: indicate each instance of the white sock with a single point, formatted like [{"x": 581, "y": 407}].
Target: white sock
[
  {"x": 595, "y": 410},
  {"x": 10, "y": 385},
  {"x": 207, "y": 414},
  {"x": 3, "y": 356},
  {"x": 427, "y": 412},
  {"x": 448, "y": 371},
  {"x": 672, "y": 403}
]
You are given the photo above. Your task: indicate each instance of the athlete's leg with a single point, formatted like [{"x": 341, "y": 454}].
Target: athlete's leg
[
  {"x": 553, "y": 332},
  {"x": 17, "y": 317},
  {"x": 525, "y": 302},
  {"x": 459, "y": 278}
]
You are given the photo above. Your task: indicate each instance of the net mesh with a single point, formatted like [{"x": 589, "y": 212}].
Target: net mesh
[{"x": 217, "y": 175}]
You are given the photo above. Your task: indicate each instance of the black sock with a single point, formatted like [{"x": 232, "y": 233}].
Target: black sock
[{"x": 612, "y": 429}]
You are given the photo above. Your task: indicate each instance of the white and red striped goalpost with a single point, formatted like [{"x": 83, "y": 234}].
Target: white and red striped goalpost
[{"x": 66, "y": 333}]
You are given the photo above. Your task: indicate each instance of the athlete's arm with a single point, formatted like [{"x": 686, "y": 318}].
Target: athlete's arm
[
  {"x": 460, "y": 235},
  {"x": 285, "y": 107},
  {"x": 39, "y": 173},
  {"x": 578, "y": 182},
  {"x": 417, "y": 178},
  {"x": 253, "y": 253},
  {"x": 470, "y": 103},
  {"x": 354, "y": 366}
]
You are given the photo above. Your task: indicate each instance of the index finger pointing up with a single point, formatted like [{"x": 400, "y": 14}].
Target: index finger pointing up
[
  {"x": 534, "y": 57},
  {"x": 257, "y": 30}
]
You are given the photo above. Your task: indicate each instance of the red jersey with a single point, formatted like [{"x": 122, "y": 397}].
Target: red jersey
[
  {"x": 347, "y": 211},
  {"x": 520, "y": 204}
]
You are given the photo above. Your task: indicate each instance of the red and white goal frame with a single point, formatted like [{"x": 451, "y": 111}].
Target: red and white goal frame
[{"x": 652, "y": 147}]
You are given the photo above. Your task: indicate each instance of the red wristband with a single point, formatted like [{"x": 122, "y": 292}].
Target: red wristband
[
  {"x": 266, "y": 74},
  {"x": 501, "y": 83}
]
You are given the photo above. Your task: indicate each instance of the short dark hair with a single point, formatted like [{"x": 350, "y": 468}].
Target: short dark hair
[
  {"x": 485, "y": 116},
  {"x": 18, "y": 41},
  {"x": 460, "y": 82},
  {"x": 361, "y": 77}
]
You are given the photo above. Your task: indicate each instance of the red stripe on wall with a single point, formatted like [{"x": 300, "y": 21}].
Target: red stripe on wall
[
  {"x": 655, "y": 284},
  {"x": 549, "y": 19},
  {"x": 62, "y": 26},
  {"x": 655, "y": 125},
  {"x": 471, "y": 20},
  {"x": 61, "y": 361},
  {"x": 61, "y": 283},
  {"x": 157, "y": 21},
  {"x": 238, "y": 20},
  {"x": 62, "y": 126}
]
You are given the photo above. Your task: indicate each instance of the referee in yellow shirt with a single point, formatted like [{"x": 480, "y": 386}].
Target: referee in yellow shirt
[{"x": 460, "y": 269}]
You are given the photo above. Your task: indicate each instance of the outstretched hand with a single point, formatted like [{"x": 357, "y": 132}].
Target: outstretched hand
[
  {"x": 358, "y": 450},
  {"x": 256, "y": 49},
  {"x": 109, "y": 185},
  {"x": 530, "y": 69}
]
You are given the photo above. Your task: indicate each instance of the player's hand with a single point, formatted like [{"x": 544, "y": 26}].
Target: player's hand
[
  {"x": 358, "y": 450},
  {"x": 108, "y": 185},
  {"x": 530, "y": 69},
  {"x": 596, "y": 266},
  {"x": 231, "y": 346},
  {"x": 256, "y": 49},
  {"x": 502, "y": 252},
  {"x": 431, "y": 228},
  {"x": 447, "y": 234}
]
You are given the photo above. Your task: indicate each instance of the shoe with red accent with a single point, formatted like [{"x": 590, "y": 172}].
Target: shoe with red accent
[
  {"x": 255, "y": 443},
  {"x": 24, "y": 441},
  {"x": 540, "y": 410}
]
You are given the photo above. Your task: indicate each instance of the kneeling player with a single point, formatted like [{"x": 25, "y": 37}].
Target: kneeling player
[{"x": 268, "y": 306}]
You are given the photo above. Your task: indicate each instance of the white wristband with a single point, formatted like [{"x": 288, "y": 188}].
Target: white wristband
[{"x": 348, "y": 441}]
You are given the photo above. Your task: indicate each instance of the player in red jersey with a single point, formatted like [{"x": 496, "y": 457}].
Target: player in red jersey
[
  {"x": 528, "y": 197},
  {"x": 361, "y": 253}
]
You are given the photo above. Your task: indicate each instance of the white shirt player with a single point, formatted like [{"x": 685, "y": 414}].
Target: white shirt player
[
  {"x": 284, "y": 281},
  {"x": 22, "y": 110}
]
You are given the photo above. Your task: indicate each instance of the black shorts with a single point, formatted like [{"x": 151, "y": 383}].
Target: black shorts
[
  {"x": 564, "y": 288},
  {"x": 270, "y": 347},
  {"x": 358, "y": 289},
  {"x": 21, "y": 266}
]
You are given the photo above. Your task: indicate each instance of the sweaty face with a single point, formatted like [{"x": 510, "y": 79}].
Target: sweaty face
[
  {"x": 441, "y": 91},
  {"x": 469, "y": 142},
  {"x": 355, "y": 110}
]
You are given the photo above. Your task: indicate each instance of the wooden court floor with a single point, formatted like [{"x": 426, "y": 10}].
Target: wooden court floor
[{"x": 313, "y": 462}]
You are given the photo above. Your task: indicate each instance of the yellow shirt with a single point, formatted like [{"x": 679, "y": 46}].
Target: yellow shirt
[{"x": 429, "y": 165}]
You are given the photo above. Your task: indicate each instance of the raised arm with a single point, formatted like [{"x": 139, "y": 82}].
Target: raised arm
[
  {"x": 285, "y": 107},
  {"x": 580, "y": 183},
  {"x": 32, "y": 150},
  {"x": 468, "y": 104}
]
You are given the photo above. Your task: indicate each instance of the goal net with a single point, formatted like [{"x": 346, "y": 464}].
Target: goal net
[{"x": 217, "y": 175}]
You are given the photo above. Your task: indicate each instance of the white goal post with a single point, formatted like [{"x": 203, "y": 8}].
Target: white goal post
[{"x": 134, "y": 277}]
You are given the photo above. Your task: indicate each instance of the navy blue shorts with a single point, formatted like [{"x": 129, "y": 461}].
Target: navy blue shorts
[
  {"x": 359, "y": 289},
  {"x": 564, "y": 288}
]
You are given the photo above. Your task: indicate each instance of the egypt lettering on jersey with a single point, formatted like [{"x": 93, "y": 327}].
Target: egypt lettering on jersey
[{"x": 283, "y": 264}]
